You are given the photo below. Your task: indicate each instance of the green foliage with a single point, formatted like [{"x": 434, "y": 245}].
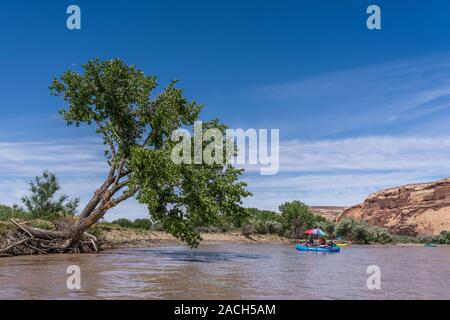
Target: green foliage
[
  {"x": 41, "y": 203},
  {"x": 126, "y": 223},
  {"x": 14, "y": 212},
  {"x": 344, "y": 228},
  {"x": 326, "y": 225},
  {"x": 380, "y": 235},
  {"x": 362, "y": 232},
  {"x": 116, "y": 98},
  {"x": 144, "y": 224},
  {"x": 42, "y": 224},
  {"x": 268, "y": 227},
  {"x": 409, "y": 239},
  {"x": 5, "y": 228},
  {"x": 96, "y": 231},
  {"x": 265, "y": 221},
  {"x": 248, "y": 230},
  {"x": 298, "y": 218},
  {"x": 264, "y": 215},
  {"x": 185, "y": 196},
  {"x": 295, "y": 218},
  {"x": 222, "y": 225},
  {"x": 442, "y": 238}
]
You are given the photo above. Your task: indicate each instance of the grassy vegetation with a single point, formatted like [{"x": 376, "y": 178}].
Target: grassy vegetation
[
  {"x": 15, "y": 212},
  {"x": 4, "y": 228},
  {"x": 442, "y": 238}
]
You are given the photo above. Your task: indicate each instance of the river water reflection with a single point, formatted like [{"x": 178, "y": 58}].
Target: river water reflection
[{"x": 232, "y": 271}]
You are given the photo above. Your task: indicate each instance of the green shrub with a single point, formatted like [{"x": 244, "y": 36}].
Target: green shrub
[
  {"x": 295, "y": 218},
  {"x": 96, "y": 231},
  {"x": 259, "y": 227},
  {"x": 380, "y": 235},
  {"x": 42, "y": 203},
  {"x": 123, "y": 223},
  {"x": 210, "y": 229},
  {"x": 298, "y": 217},
  {"x": 265, "y": 221},
  {"x": 442, "y": 238},
  {"x": 42, "y": 224},
  {"x": 362, "y": 232},
  {"x": 144, "y": 224},
  {"x": 248, "y": 230},
  {"x": 5, "y": 228},
  {"x": 157, "y": 227},
  {"x": 274, "y": 227},
  {"x": 344, "y": 228},
  {"x": 327, "y": 226},
  {"x": 14, "y": 212}
]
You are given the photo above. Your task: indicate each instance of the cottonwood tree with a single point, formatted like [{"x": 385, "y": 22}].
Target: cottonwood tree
[{"x": 136, "y": 125}]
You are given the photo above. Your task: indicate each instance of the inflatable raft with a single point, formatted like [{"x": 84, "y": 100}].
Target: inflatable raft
[
  {"x": 342, "y": 244},
  {"x": 300, "y": 247}
]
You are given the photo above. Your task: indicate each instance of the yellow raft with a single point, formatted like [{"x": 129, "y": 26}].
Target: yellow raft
[{"x": 342, "y": 244}]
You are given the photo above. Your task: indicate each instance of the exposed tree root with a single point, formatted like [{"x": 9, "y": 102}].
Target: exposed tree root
[{"x": 27, "y": 241}]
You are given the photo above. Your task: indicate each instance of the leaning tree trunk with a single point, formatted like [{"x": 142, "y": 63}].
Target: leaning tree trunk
[{"x": 72, "y": 237}]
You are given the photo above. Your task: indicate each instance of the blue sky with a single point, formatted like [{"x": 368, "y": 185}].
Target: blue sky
[{"x": 358, "y": 110}]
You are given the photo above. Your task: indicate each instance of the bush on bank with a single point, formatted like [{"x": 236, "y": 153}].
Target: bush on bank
[
  {"x": 361, "y": 232},
  {"x": 144, "y": 224},
  {"x": 442, "y": 238},
  {"x": 292, "y": 221}
]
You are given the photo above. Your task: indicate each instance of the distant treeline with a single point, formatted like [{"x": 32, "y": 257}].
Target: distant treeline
[{"x": 291, "y": 222}]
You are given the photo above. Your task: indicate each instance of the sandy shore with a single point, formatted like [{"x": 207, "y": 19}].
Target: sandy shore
[{"x": 117, "y": 237}]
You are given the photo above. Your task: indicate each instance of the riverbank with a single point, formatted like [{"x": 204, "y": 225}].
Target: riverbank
[
  {"x": 113, "y": 236},
  {"x": 119, "y": 237},
  {"x": 116, "y": 237}
]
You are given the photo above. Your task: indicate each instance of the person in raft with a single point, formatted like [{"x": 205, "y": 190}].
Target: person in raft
[{"x": 322, "y": 242}]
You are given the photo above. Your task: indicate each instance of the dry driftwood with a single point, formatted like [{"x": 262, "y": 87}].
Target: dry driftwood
[{"x": 26, "y": 241}]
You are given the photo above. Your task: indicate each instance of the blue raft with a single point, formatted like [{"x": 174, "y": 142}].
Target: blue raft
[{"x": 300, "y": 247}]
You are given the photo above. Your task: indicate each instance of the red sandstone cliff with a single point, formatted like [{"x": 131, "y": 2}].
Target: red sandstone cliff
[{"x": 415, "y": 209}]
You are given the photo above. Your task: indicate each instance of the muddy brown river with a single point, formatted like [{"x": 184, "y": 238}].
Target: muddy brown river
[{"x": 232, "y": 271}]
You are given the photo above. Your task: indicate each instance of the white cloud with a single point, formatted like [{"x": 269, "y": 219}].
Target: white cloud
[
  {"x": 321, "y": 172},
  {"x": 374, "y": 153},
  {"x": 61, "y": 157},
  {"x": 79, "y": 165},
  {"x": 345, "y": 171}
]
